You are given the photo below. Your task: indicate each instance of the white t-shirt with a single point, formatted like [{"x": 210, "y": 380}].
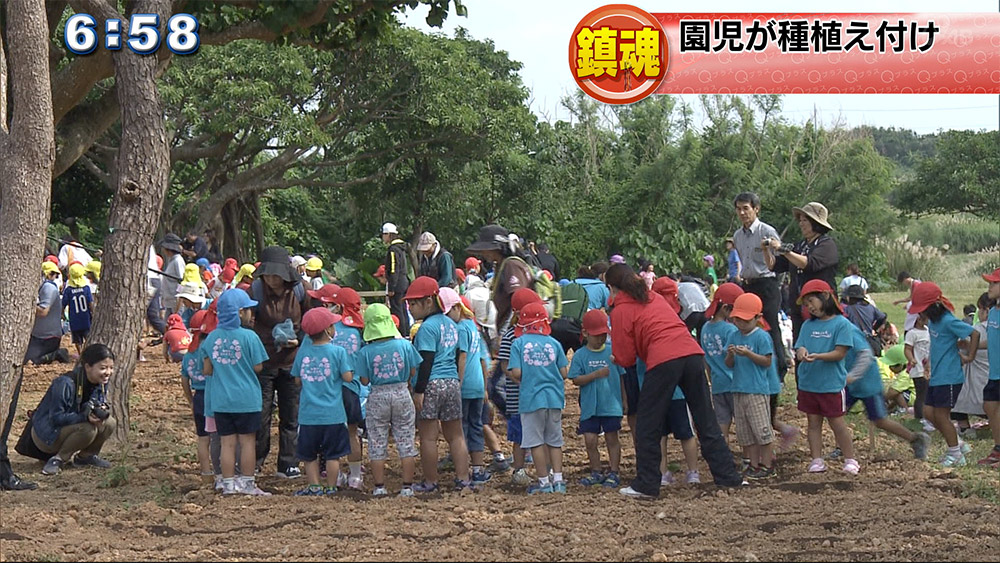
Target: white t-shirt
[
  {"x": 920, "y": 340},
  {"x": 70, "y": 253},
  {"x": 853, "y": 280}
]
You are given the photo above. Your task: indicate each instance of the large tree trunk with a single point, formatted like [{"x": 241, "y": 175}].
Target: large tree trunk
[
  {"x": 26, "y": 156},
  {"x": 142, "y": 170}
]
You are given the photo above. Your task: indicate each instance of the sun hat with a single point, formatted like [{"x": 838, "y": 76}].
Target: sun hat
[
  {"x": 595, "y": 321},
  {"x": 326, "y": 294},
  {"x": 725, "y": 295},
  {"x": 48, "y": 268},
  {"x": 379, "y": 323},
  {"x": 422, "y": 287},
  {"x": 171, "y": 242},
  {"x": 532, "y": 319},
  {"x": 318, "y": 319},
  {"x": 427, "y": 241},
  {"x": 747, "y": 307},
  {"x": 274, "y": 261},
  {"x": 895, "y": 356},
  {"x": 490, "y": 237},
  {"x": 815, "y": 211},
  {"x": 77, "y": 275},
  {"x": 191, "y": 292},
  {"x": 925, "y": 295},
  {"x": 389, "y": 229}
]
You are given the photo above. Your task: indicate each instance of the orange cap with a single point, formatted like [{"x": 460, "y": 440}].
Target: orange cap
[{"x": 747, "y": 307}]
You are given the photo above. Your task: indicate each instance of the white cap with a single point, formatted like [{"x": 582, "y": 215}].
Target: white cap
[
  {"x": 389, "y": 229},
  {"x": 298, "y": 261}
]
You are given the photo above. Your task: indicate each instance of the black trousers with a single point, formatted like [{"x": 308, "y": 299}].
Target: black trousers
[
  {"x": 654, "y": 402},
  {"x": 770, "y": 296},
  {"x": 397, "y": 306},
  {"x": 5, "y": 435},
  {"x": 41, "y": 350},
  {"x": 279, "y": 381}
]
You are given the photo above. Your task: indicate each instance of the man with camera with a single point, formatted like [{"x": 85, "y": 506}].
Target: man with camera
[
  {"x": 756, "y": 277},
  {"x": 73, "y": 416}
]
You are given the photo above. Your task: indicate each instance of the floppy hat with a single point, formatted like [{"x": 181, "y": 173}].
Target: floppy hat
[
  {"x": 427, "y": 241},
  {"x": 379, "y": 323},
  {"x": 815, "y": 211},
  {"x": 422, "y": 287},
  {"x": 725, "y": 295},
  {"x": 532, "y": 318},
  {"x": 813, "y": 286},
  {"x": 318, "y": 319},
  {"x": 389, "y": 229},
  {"x": 190, "y": 292},
  {"x": 747, "y": 307},
  {"x": 595, "y": 321},
  {"x": 314, "y": 263},
  {"x": 927, "y": 294},
  {"x": 325, "y": 294},
  {"x": 274, "y": 261},
  {"x": 171, "y": 242},
  {"x": 491, "y": 237}
]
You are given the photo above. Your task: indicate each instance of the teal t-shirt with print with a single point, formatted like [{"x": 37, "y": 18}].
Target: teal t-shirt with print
[
  {"x": 349, "y": 338},
  {"x": 714, "y": 335},
  {"x": 602, "y": 396},
  {"x": 191, "y": 367},
  {"x": 470, "y": 342},
  {"x": 946, "y": 365},
  {"x": 439, "y": 334},
  {"x": 748, "y": 377},
  {"x": 387, "y": 362},
  {"x": 233, "y": 385},
  {"x": 869, "y": 384},
  {"x": 321, "y": 369},
  {"x": 539, "y": 358},
  {"x": 818, "y": 337}
]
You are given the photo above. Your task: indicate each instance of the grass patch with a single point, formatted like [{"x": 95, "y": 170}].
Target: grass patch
[
  {"x": 164, "y": 494},
  {"x": 119, "y": 474}
]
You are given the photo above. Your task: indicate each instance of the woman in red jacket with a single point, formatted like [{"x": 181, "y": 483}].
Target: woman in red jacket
[{"x": 644, "y": 326}]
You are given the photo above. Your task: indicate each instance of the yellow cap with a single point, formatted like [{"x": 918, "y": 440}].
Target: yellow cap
[
  {"x": 314, "y": 264},
  {"x": 77, "y": 275},
  {"x": 49, "y": 268},
  {"x": 94, "y": 267}
]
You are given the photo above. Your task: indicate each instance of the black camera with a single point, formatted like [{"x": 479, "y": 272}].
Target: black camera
[
  {"x": 101, "y": 411},
  {"x": 785, "y": 248}
]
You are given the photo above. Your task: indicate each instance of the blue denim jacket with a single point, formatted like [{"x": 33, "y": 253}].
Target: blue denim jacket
[{"x": 59, "y": 407}]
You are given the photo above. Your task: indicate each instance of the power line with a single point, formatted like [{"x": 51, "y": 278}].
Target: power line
[{"x": 882, "y": 110}]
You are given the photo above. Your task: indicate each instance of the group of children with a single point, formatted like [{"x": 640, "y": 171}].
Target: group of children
[{"x": 437, "y": 380}]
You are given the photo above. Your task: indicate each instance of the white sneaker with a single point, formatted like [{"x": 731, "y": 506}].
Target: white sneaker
[
  {"x": 928, "y": 427},
  {"x": 356, "y": 483},
  {"x": 380, "y": 492},
  {"x": 632, "y": 493},
  {"x": 218, "y": 482},
  {"x": 248, "y": 486},
  {"x": 341, "y": 480},
  {"x": 406, "y": 492},
  {"x": 521, "y": 477},
  {"x": 229, "y": 487}
]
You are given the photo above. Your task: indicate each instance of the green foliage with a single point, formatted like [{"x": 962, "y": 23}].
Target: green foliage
[
  {"x": 117, "y": 476},
  {"x": 903, "y": 147},
  {"x": 963, "y": 176},
  {"x": 903, "y": 255}
]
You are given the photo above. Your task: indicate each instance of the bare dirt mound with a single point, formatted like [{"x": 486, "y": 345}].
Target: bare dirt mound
[{"x": 896, "y": 509}]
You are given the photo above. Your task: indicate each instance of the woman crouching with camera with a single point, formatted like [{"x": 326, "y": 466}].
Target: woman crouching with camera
[{"x": 74, "y": 416}]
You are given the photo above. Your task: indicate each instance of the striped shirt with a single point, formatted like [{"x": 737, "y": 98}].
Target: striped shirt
[
  {"x": 512, "y": 389},
  {"x": 747, "y": 243}
]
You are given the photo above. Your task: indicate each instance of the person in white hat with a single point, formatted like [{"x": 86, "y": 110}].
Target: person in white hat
[
  {"x": 435, "y": 262},
  {"x": 396, "y": 278}
]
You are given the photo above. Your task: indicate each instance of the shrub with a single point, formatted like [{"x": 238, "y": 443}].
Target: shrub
[{"x": 901, "y": 254}]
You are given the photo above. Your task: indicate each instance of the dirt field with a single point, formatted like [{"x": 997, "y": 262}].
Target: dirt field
[{"x": 896, "y": 509}]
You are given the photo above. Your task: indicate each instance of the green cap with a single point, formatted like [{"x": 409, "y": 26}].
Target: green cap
[
  {"x": 378, "y": 323},
  {"x": 894, "y": 356}
]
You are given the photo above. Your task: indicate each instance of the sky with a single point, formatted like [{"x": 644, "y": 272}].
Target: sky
[{"x": 536, "y": 32}]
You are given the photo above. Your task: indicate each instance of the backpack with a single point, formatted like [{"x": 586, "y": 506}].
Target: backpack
[
  {"x": 568, "y": 327},
  {"x": 547, "y": 289}
]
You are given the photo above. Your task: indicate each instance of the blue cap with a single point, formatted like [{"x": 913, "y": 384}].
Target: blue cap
[
  {"x": 232, "y": 300},
  {"x": 203, "y": 262}
]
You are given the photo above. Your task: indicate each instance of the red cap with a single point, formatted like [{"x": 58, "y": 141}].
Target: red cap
[
  {"x": 532, "y": 319},
  {"x": 380, "y": 272},
  {"x": 522, "y": 297},
  {"x": 472, "y": 262},
  {"x": 747, "y": 307},
  {"x": 725, "y": 295},
  {"x": 925, "y": 295},
  {"x": 325, "y": 294},
  {"x": 347, "y": 298},
  {"x": 197, "y": 319},
  {"x": 317, "y": 320},
  {"x": 395, "y": 321},
  {"x": 51, "y": 258},
  {"x": 595, "y": 322},
  {"x": 175, "y": 321},
  {"x": 667, "y": 288},
  {"x": 460, "y": 274},
  {"x": 159, "y": 262},
  {"x": 422, "y": 287},
  {"x": 228, "y": 273},
  {"x": 994, "y": 277},
  {"x": 813, "y": 286}
]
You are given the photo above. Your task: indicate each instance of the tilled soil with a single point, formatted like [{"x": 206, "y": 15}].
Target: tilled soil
[{"x": 896, "y": 509}]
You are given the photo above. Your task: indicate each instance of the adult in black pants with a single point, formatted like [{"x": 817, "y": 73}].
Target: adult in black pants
[
  {"x": 641, "y": 320},
  {"x": 8, "y": 480},
  {"x": 756, "y": 277},
  {"x": 397, "y": 280}
]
